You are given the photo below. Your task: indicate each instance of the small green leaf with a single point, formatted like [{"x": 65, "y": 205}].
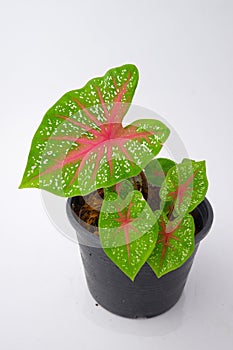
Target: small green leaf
[
  {"x": 128, "y": 231},
  {"x": 175, "y": 244},
  {"x": 186, "y": 185},
  {"x": 122, "y": 188},
  {"x": 157, "y": 169}
]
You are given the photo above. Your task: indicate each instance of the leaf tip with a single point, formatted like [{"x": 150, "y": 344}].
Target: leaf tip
[
  {"x": 21, "y": 185},
  {"x": 132, "y": 66}
]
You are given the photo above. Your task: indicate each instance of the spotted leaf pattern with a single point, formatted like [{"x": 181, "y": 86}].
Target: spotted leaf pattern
[
  {"x": 81, "y": 144},
  {"x": 175, "y": 244},
  {"x": 128, "y": 230},
  {"x": 185, "y": 186}
]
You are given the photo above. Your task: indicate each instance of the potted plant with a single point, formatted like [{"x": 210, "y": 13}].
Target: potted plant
[{"x": 139, "y": 219}]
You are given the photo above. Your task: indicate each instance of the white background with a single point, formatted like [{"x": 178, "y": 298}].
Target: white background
[{"x": 184, "y": 51}]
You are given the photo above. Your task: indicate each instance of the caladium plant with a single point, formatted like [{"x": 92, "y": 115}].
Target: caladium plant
[{"x": 82, "y": 145}]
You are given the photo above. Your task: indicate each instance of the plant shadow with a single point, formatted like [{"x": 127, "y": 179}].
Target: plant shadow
[{"x": 146, "y": 327}]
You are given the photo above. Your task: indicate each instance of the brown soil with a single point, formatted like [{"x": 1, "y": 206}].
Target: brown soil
[{"x": 87, "y": 209}]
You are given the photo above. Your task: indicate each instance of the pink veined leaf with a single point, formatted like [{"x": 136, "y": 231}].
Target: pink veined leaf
[
  {"x": 166, "y": 235},
  {"x": 81, "y": 144},
  {"x": 126, "y": 225},
  {"x": 175, "y": 244},
  {"x": 128, "y": 230},
  {"x": 185, "y": 186},
  {"x": 182, "y": 190}
]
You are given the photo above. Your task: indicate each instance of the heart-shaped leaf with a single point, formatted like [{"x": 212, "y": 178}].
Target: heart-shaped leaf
[
  {"x": 185, "y": 185},
  {"x": 157, "y": 170},
  {"x": 128, "y": 230},
  {"x": 174, "y": 246},
  {"x": 81, "y": 144}
]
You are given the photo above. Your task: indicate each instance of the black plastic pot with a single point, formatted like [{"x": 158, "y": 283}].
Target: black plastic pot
[{"x": 148, "y": 295}]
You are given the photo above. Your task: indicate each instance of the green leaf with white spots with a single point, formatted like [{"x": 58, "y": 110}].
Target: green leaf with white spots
[
  {"x": 128, "y": 231},
  {"x": 175, "y": 244},
  {"x": 81, "y": 144},
  {"x": 186, "y": 185},
  {"x": 157, "y": 170}
]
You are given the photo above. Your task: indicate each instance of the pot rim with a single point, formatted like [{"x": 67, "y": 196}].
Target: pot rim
[
  {"x": 204, "y": 209},
  {"x": 87, "y": 238}
]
